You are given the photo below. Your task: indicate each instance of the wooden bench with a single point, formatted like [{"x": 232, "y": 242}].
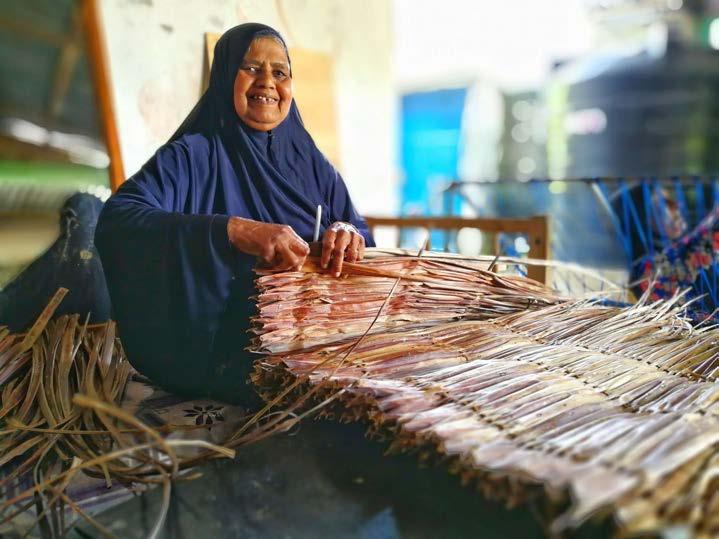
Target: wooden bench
[{"x": 535, "y": 228}]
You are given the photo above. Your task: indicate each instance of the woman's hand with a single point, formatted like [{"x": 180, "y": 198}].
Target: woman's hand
[
  {"x": 276, "y": 245},
  {"x": 341, "y": 242}
]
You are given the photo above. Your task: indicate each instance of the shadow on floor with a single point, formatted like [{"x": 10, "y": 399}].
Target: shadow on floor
[{"x": 325, "y": 481}]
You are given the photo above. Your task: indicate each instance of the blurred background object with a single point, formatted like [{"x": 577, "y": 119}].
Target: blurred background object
[
  {"x": 582, "y": 90},
  {"x": 50, "y": 140}
]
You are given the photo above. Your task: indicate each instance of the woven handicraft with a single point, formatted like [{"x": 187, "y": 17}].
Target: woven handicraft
[{"x": 598, "y": 410}]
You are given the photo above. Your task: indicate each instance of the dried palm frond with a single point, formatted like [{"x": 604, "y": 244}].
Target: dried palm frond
[
  {"x": 61, "y": 385},
  {"x": 604, "y": 410}
]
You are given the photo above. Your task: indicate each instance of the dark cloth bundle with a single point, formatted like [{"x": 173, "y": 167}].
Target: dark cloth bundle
[{"x": 71, "y": 262}]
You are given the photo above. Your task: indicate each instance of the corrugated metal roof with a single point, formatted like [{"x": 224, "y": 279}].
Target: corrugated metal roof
[
  {"x": 32, "y": 36},
  {"x": 51, "y": 15}
]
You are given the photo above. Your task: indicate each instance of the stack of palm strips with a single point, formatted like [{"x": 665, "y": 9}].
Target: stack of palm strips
[
  {"x": 61, "y": 385},
  {"x": 614, "y": 410},
  {"x": 40, "y": 372},
  {"x": 297, "y": 310}
]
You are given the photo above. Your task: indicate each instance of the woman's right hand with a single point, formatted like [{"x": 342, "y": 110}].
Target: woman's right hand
[{"x": 276, "y": 245}]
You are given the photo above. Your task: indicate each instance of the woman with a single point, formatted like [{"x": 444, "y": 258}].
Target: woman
[{"x": 240, "y": 180}]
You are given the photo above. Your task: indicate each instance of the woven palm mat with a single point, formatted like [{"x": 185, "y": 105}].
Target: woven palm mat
[
  {"x": 596, "y": 410},
  {"x": 600, "y": 411}
]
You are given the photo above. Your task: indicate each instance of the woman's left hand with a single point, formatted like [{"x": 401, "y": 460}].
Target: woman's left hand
[{"x": 341, "y": 242}]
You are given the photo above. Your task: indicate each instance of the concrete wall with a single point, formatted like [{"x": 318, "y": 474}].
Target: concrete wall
[{"x": 155, "y": 50}]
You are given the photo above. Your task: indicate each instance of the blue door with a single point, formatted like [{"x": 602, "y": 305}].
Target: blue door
[{"x": 430, "y": 136}]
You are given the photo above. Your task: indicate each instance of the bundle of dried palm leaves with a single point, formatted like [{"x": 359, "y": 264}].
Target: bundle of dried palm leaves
[
  {"x": 601, "y": 410},
  {"x": 61, "y": 386}
]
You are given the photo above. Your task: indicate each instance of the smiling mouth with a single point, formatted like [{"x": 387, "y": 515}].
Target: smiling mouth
[{"x": 264, "y": 99}]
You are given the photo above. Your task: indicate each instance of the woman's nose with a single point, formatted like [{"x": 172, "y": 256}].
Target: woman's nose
[{"x": 264, "y": 79}]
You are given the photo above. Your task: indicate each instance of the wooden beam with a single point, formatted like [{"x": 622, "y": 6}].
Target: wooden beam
[
  {"x": 100, "y": 70},
  {"x": 508, "y": 225},
  {"x": 536, "y": 229},
  {"x": 538, "y": 239},
  {"x": 22, "y": 113},
  {"x": 65, "y": 67},
  {"x": 29, "y": 31},
  {"x": 17, "y": 150},
  {"x": 40, "y": 118}
]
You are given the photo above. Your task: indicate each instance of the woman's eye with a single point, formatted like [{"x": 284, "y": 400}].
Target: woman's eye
[
  {"x": 252, "y": 69},
  {"x": 280, "y": 74}
]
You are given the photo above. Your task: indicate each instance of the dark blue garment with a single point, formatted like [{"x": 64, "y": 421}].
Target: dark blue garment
[{"x": 180, "y": 291}]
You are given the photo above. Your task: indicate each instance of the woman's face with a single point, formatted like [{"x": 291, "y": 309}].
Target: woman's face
[{"x": 263, "y": 87}]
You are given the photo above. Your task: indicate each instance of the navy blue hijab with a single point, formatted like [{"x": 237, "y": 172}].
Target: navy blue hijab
[{"x": 181, "y": 294}]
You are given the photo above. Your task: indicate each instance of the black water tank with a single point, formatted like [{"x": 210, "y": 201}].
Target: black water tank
[{"x": 644, "y": 115}]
